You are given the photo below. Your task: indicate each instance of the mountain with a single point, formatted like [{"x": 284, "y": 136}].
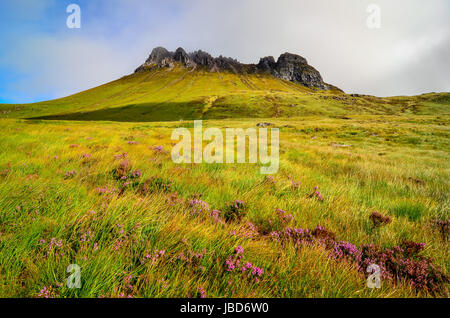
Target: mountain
[
  {"x": 290, "y": 67},
  {"x": 178, "y": 85}
]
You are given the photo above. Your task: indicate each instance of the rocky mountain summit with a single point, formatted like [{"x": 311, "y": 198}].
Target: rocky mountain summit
[{"x": 290, "y": 67}]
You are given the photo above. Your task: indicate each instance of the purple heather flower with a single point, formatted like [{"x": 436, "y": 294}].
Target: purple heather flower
[
  {"x": 70, "y": 174},
  {"x": 198, "y": 206},
  {"x": 238, "y": 204},
  {"x": 202, "y": 292},
  {"x": 157, "y": 148},
  {"x": 257, "y": 271},
  {"x": 121, "y": 156},
  {"x": 137, "y": 174},
  {"x": 239, "y": 250},
  {"x": 230, "y": 264}
]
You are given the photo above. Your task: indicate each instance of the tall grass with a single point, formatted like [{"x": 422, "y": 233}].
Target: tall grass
[{"x": 139, "y": 242}]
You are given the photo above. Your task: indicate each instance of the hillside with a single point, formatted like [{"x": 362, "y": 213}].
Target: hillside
[{"x": 162, "y": 90}]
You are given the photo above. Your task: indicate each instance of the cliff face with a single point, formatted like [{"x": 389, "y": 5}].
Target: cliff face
[
  {"x": 294, "y": 68},
  {"x": 290, "y": 67}
]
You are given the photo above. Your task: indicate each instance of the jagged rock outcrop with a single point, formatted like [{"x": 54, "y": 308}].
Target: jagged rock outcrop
[
  {"x": 267, "y": 64},
  {"x": 295, "y": 68},
  {"x": 180, "y": 55},
  {"x": 202, "y": 58},
  {"x": 290, "y": 67},
  {"x": 159, "y": 57}
]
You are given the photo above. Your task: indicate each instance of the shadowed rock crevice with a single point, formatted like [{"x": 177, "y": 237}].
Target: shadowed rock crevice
[{"x": 290, "y": 67}]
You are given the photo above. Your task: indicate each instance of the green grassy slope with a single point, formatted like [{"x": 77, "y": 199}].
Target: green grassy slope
[{"x": 179, "y": 93}]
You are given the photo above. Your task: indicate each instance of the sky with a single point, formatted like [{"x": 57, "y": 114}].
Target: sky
[{"x": 41, "y": 58}]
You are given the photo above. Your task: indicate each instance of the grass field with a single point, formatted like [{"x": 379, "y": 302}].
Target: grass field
[{"x": 91, "y": 182}]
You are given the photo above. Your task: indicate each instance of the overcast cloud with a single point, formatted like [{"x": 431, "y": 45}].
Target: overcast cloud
[{"x": 408, "y": 55}]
